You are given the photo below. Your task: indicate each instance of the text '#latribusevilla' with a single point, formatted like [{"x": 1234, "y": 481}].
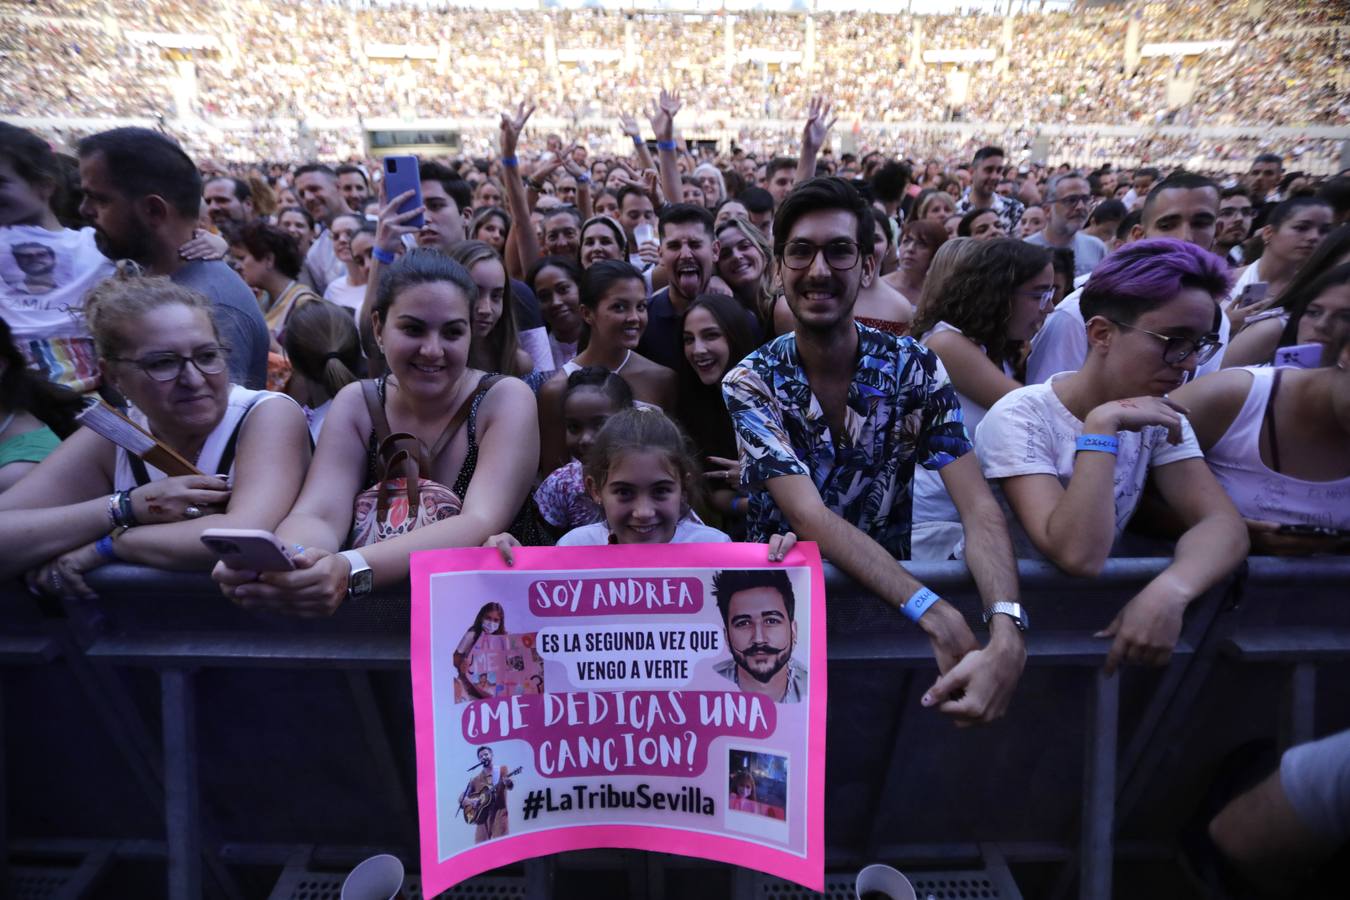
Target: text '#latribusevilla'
[
  {"x": 583, "y": 797},
  {"x": 651, "y": 732}
]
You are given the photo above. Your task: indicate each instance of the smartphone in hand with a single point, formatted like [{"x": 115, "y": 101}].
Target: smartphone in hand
[
  {"x": 1302, "y": 356},
  {"x": 1254, "y": 292},
  {"x": 248, "y": 549},
  {"x": 400, "y": 176}
]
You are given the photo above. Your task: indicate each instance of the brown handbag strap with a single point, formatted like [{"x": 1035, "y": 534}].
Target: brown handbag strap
[
  {"x": 370, "y": 389},
  {"x": 451, "y": 429}
]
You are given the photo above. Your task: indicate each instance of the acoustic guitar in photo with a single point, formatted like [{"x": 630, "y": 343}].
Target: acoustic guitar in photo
[{"x": 477, "y": 804}]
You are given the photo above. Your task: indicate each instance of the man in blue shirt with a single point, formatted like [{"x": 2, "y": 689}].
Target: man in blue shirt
[{"x": 831, "y": 419}]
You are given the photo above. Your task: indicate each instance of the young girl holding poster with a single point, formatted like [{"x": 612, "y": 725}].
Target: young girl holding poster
[
  {"x": 491, "y": 619},
  {"x": 640, "y": 471}
]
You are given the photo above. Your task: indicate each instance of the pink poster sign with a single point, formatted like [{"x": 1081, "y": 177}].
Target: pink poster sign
[{"x": 667, "y": 698}]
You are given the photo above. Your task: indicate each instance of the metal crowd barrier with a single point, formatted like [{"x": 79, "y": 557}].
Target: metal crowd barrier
[{"x": 160, "y": 732}]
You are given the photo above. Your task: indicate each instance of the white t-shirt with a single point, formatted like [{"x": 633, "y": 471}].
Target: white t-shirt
[
  {"x": 44, "y": 277},
  {"x": 346, "y": 295},
  {"x": 1030, "y": 432},
  {"x": 936, "y": 532},
  {"x": 686, "y": 532}
]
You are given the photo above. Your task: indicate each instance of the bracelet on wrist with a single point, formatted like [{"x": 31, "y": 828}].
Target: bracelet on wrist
[
  {"x": 510, "y": 162},
  {"x": 383, "y": 256},
  {"x": 114, "y": 513},
  {"x": 665, "y": 145},
  {"x": 583, "y": 178},
  {"x": 106, "y": 550},
  {"x": 918, "y": 604},
  {"x": 637, "y": 140},
  {"x": 1098, "y": 443}
]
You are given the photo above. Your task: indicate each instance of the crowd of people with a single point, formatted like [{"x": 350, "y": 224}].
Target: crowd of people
[
  {"x": 267, "y": 61},
  {"x": 896, "y": 357}
]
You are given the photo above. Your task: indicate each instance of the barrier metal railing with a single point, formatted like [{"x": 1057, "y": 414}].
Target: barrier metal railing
[{"x": 238, "y": 698}]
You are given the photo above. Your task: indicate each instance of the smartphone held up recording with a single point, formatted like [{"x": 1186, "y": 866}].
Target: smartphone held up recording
[{"x": 400, "y": 176}]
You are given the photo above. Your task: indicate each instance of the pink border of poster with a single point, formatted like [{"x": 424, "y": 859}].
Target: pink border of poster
[{"x": 784, "y": 837}]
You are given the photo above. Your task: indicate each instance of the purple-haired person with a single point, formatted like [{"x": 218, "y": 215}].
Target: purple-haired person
[{"x": 1070, "y": 456}]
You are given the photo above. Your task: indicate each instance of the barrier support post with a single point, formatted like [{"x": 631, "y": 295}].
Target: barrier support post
[
  {"x": 1300, "y": 700},
  {"x": 1099, "y": 788},
  {"x": 181, "y": 797}
]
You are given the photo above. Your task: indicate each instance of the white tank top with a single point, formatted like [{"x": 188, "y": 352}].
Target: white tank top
[
  {"x": 1260, "y": 492},
  {"x": 241, "y": 402}
]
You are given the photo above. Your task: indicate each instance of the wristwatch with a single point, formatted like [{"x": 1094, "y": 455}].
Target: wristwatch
[
  {"x": 361, "y": 580},
  {"x": 1013, "y": 611}
]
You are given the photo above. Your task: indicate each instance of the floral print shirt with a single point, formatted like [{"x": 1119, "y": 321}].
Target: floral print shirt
[{"x": 901, "y": 410}]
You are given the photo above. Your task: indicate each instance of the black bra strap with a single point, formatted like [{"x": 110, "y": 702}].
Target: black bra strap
[{"x": 1270, "y": 421}]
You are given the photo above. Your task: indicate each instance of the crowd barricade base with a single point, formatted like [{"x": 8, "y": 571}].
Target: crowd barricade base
[{"x": 279, "y": 752}]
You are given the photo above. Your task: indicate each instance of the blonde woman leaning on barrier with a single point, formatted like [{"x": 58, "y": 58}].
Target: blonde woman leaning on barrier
[{"x": 159, "y": 347}]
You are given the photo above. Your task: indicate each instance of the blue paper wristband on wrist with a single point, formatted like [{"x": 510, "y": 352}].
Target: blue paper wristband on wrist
[
  {"x": 510, "y": 162},
  {"x": 637, "y": 141},
  {"x": 104, "y": 546},
  {"x": 665, "y": 145},
  {"x": 917, "y": 605},
  {"x": 384, "y": 257},
  {"x": 1098, "y": 443}
]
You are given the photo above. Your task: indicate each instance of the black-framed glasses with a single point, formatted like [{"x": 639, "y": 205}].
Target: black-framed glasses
[
  {"x": 169, "y": 366},
  {"x": 839, "y": 255},
  {"x": 1177, "y": 350}
]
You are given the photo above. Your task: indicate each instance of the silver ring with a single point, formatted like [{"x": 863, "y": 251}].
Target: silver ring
[{"x": 192, "y": 512}]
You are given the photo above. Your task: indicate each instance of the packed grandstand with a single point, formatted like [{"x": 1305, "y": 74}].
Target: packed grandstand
[{"x": 264, "y": 79}]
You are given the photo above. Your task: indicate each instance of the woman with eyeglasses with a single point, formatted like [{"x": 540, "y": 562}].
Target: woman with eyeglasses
[
  {"x": 90, "y": 503},
  {"x": 1070, "y": 457},
  {"x": 992, "y": 303}
]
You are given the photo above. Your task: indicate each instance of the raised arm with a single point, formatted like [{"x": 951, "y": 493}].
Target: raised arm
[
  {"x": 583, "y": 177},
  {"x": 527, "y": 243},
  {"x": 389, "y": 232},
  {"x": 819, "y": 121},
  {"x": 662, "y": 116},
  {"x": 630, "y": 128}
]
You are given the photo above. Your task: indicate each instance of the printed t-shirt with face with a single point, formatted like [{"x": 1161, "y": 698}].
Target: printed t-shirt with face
[
  {"x": 46, "y": 275},
  {"x": 1030, "y": 432}
]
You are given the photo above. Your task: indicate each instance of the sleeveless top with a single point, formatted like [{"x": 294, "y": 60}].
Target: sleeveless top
[
  {"x": 217, "y": 455},
  {"x": 1260, "y": 492},
  {"x": 466, "y": 468},
  {"x": 931, "y": 503}
]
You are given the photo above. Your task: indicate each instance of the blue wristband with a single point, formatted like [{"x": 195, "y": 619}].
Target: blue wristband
[
  {"x": 917, "y": 605},
  {"x": 1098, "y": 443},
  {"x": 510, "y": 162},
  {"x": 104, "y": 546},
  {"x": 637, "y": 141},
  {"x": 384, "y": 257},
  {"x": 583, "y": 178},
  {"x": 665, "y": 145}
]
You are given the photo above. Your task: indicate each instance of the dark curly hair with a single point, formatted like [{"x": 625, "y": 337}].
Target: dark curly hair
[{"x": 979, "y": 294}]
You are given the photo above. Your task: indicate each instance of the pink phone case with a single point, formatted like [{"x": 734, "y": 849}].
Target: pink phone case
[{"x": 248, "y": 549}]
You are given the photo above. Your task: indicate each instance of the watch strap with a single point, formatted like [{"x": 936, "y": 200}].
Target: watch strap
[
  {"x": 1010, "y": 609},
  {"x": 358, "y": 565}
]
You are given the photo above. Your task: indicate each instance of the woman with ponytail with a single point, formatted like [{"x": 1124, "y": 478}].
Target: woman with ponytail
[{"x": 325, "y": 353}]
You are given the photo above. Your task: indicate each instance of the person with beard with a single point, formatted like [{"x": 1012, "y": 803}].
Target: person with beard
[
  {"x": 229, "y": 201},
  {"x": 1235, "y": 223},
  {"x": 689, "y": 249},
  {"x": 317, "y": 186},
  {"x": 1069, "y": 201},
  {"x": 143, "y": 193},
  {"x": 831, "y": 420},
  {"x": 354, "y": 185},
  {"x": 982, "y": 193},
  {"x": 759, "y": 614}
]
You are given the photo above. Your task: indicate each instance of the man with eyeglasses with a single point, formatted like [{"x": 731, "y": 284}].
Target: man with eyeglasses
[
  {"x": 1071, "y": 456},
  {"x": 1183, "y": 206},
  {"x": 1234, "y": 224},
  {"x": 1070, "y": 200},
  {"x": 831, "y": 419}
]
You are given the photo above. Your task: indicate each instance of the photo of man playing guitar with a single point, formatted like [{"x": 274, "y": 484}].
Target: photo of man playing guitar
[{"x": 484, "y": 799}]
